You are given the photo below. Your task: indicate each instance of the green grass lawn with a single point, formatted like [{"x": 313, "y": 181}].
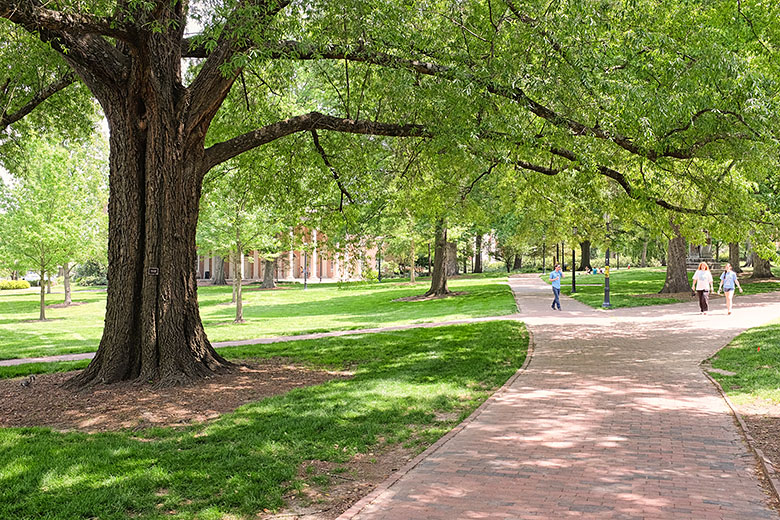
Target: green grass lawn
[
  {"x": 758, "y": 371},
  {"x": 626, "y": 284},
  {"x": 289, "y": 310},
  {"x": 246, "y": 461}
]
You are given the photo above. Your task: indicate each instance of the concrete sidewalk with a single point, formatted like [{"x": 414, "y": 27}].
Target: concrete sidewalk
[{"x": 613, "y": 418}]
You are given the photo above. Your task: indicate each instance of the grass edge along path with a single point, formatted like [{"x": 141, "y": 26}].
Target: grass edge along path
[
  {"x": 246, "y": 461},
  {"x": 639, "y": 286},
  {"x": 754, "y": 359}
]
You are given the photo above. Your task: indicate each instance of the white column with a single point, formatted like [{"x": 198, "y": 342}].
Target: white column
[
  {"x": 257, "y": 266},
  {"x": 207, "y": 265},
  {"x": 336, "y": 273},
  {"x": 241, "y": 269}
]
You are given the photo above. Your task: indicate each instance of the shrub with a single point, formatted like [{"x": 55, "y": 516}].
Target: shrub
[
  {"x": 91, "y": 273},
  {"x": 14, "y": 284}
]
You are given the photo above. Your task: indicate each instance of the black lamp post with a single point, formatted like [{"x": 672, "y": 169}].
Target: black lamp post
[{"x": 606, "y": 303}]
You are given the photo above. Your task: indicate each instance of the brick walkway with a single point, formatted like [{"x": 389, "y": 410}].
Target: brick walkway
[{"x": 612, "y": 419}]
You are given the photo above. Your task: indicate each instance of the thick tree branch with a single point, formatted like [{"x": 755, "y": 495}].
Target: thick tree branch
[
  {"x": 212, "y": 84},
  {"x": 34, "y": 17},
  {"x": 223, "y": 151},
  {"x": 360, "y": 53},
  {"x": 7, "y": 119},
  {"x": 321, "y": 151}
]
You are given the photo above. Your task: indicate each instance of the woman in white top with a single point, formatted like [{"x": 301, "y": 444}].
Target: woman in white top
[{"x": 702, "y": 284}]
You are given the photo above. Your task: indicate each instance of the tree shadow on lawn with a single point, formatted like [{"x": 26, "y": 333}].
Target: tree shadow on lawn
[
  {"x": 377, "y": 308},
  {"x": 246, "y": 461},
  {"x": 18, "y": 344}
]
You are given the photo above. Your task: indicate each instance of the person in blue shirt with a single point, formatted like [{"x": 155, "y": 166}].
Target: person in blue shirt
[
  {"x": 555, "y": 277},
  {"x": 728, "y": 279}
]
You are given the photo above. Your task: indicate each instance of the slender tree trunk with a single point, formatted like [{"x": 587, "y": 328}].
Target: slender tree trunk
[
  {"x": 734, "y": 257},
  {"x": 762, "y": 269},
  {"x": 218, "y": 278},
  {"x": 48, "y": 285},
  {"x": 42, "y": 314},
  {"x": 238, "y": 278},
  {"x": 439, "y": 275},
  {"x": 429, "y": 259},
  {"x": 584, "y": 254},
  {"x": 411, "y": 262},
  {"x": 517, "y": 263},
  {"x": 234, "y": 263},
  {"x": 508, "y": 260},
  {"x": 748, "y": 253},
  {"x": 153, "y": 331},
  {"x": 66, "y": 267},
  {"x": 643, "y": 261},
  {"x": 269, "y": 267},
  {"x": 478, "y": 254},
  {"x": 676, "y": 269}
]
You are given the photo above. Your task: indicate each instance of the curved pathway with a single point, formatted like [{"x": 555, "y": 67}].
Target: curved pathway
[{"x": 613, "y": 418}]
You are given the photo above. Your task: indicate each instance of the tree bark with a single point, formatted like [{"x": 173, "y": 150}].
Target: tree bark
[
  {"x": 676, "y": 268},
  {"x": 478, "y": 254},
  {"x": 219, "y": 271},
  {"x": 518, "y": 262},
  {"x": 451, "y": 259},
  {"x": 748, "y": 253},
  {"x": 412, "y": 262},
  {"x": 584, "y": 255},
  {"x": 439, "y": 275},
  {"x": 762, "y": 269},
  {"x": 66, "y": 268},
  {"x": 508, "y": 261},
  {"x": 269, "y": 267},
  {"x": 734, "y": 257},
  {"x": 153, "y": 331},
  {"x": 48, "y": 285},
  {"x": 42, "y": 314}
]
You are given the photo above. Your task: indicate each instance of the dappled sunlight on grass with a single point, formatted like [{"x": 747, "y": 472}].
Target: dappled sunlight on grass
[
  {"x": 247, "y": 460},
  {"x": 322, "y": 307}
]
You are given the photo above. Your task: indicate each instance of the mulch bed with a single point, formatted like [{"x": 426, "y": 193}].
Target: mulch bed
[
  {"x": 44, "y": 402},
  {"x": 763, "y": 422},
  {"x": 62, "y": 305}
]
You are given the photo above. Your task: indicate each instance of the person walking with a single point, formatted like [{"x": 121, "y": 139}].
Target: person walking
[
  {"x": 728, "y": 280},
  {"x": 702, "y": 284},
  {"x": 555, "y": 277}
]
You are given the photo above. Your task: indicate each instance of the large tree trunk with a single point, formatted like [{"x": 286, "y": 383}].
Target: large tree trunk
[
  {"x": 478, "y": 254},
  {"x": 439, "y": 276},
  {"x": 734, "y": 257},
  {"x": 153, "y": 331},
  {"x": 66, "y": 267},
  {"x": 762, "y": 269},
  {"x": 451, "y": 259},
  {"x": 518, "y": 262},
  {"x": 269, "y": 267},
  {"x": 218, "y": 276},
  {"x": 584, "y": 255},
  {"x": 676, "y": 269}
]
